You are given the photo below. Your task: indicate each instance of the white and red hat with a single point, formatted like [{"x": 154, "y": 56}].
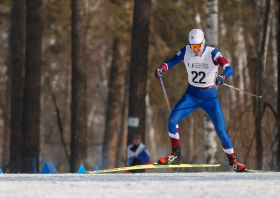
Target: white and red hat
[{"x": 196, "y": 36}]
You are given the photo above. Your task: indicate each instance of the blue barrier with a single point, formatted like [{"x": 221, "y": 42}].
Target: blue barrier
[
  {"x": 106, "y": 163},
  {"x": 34, "y": 164},
  {"x": 82, "y": 170},
  {"x": 96, "y": 169},
  {"x": 49, "y": 169},
  {"x": 100, "y": 155},
  {"x": 1, "y": 172}
]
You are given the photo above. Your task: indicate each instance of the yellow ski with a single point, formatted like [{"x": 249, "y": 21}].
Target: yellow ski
[
  {"x": 258, "y": 171},
  {"x": 151, "y": 166}
]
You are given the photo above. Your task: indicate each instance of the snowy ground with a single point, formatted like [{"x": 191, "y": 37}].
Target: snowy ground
[{"x": 146, "y": 185}]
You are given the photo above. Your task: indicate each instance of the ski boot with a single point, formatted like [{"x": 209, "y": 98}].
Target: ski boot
[
  {"x": 235, "y": 165},
  {"x": 173, "y": 158}
]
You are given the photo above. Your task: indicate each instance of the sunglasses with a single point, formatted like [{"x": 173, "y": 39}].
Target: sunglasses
[{"x": 197, "y": 46}]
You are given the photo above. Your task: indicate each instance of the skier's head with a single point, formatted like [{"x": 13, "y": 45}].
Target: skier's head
[
  {"x": 197, "y": 41},
  {"x": 136, "y": 140}
]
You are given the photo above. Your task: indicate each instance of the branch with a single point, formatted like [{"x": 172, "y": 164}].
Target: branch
[
  {"x": 262, "y": 113},
  {"x": 271, "y": 107}
]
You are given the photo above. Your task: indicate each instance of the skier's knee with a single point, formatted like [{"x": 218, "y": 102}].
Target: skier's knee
[
  {"x": 172, "y": 122},
  {"x": 222, "y": 134}
]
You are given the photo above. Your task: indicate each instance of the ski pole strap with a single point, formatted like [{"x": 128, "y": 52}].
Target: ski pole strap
[
  {"x": 165, "y": 94},
  {"x": 260, "y": 97}
]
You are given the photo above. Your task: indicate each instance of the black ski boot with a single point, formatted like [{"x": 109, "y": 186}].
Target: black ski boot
[
  {"x": 235, "y": 165},
  {"x": 173, "y": 158}
]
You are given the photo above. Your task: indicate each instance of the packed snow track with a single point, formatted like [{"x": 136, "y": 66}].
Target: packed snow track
[{"x": 205, "y": 184}]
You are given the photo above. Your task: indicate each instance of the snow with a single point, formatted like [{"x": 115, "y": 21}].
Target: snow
[{"x": 204, "y": 184}]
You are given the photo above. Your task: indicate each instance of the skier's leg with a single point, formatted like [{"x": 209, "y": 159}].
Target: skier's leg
[
  {"x": 213, "y": 109},
  {"x": 183, "y": 108}
]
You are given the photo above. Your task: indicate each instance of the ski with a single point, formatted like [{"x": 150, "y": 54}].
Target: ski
[
  {"x": 257, "y": 171},
  {"x": 152, "y": 166}
]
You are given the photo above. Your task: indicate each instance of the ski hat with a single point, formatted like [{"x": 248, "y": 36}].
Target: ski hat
[
  {"x": 196, "y": 36},
  {"x": 137, "y": 137}
]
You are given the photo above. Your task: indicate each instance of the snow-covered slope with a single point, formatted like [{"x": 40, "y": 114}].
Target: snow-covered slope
[{"x": 155, "y": 185}]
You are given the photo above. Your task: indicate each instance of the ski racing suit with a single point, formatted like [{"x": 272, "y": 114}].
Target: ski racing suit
[{"x": 201, "y": 93}]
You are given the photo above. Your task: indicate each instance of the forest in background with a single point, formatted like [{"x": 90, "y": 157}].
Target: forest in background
[{"x": 248, "y": 33}]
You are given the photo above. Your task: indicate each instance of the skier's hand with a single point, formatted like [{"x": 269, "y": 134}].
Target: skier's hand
[
  {"x": 158, "y": 73},
  {"x": 219, "y": 80}
]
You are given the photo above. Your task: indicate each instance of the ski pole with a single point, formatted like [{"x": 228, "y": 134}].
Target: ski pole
[
  {"x": 165, "y": 94},
  {"x": 260, "y": 97}
]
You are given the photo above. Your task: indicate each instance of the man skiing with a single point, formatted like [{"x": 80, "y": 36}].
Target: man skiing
[{"x": 202, "y": 66}]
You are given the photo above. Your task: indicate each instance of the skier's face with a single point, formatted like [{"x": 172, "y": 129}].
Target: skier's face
[
  {"x": 198, "y": 48},
  {"x": 136, "y": 142}
]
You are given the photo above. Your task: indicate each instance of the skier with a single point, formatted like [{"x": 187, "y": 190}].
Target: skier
[{"x": 202, "y": 66}]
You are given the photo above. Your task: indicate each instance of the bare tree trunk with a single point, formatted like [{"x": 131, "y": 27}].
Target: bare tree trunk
[
  {"x": 210, "y": 143},
  {"x": 113, "y": 111},
  {"x": 241, "y": 56},
  {"x": 268, "y": 29},
  {"x": 274, "y": 50},
  {"x": 261, "y": 81},
  {"x": 7, "y": 119},
  {"x": 278, "y": 95},
  {"x": 138, "y": 70},
  {"x": 31, "y": 106},
  {"x": 121, "y": 152},
  {"x": 212, "y": 23},
  {"x": 274, "y": 54},
  {"x": 150, "y": 126},
  {"x": 191, "y": 138},
  {"x": 230, "y": 93},
  {"x": 17, "y": 64},
  {"x": 79, "y": 78}
]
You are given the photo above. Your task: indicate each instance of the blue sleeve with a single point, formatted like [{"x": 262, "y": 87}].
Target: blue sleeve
[
  {"x": 177, "y": 58},
  {"x": 228, "y": 71}
]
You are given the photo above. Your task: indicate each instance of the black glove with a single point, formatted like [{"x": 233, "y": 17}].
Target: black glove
[
  {"x": 158, "y": 73},
  {"x": 219, "y": 80}
]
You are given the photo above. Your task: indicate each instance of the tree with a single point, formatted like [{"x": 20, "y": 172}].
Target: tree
[
  {"x": 210, "y": 142},
  {"x": 31, "y": 106},
  {"x": 278, "y": 94},
  {"x": 138, "y": 69},
  {"x": 17, "y": 64},
  {"x": 79, "y": 77},
  {"x": 261, "y": 80},
  {"x": 113, "y": 111}
]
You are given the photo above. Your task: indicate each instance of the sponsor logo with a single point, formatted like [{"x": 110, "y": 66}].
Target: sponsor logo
[
  {"x": 171, "y": 158},
  {"x": 234, "y": 167},
  {"x": 199, "y": 65},
  {"x": 192, "y": 65}
]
